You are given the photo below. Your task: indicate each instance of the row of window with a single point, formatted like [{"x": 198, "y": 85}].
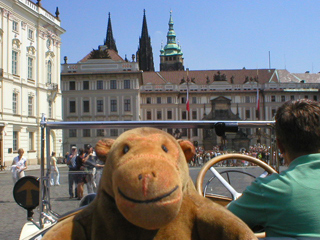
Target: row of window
[
  {"x": 99, "y": 86},
  {"x": 30, "y": 66},
  {"x": 184, "y": 115},
  {"x": 115, "y": 132},
  {"x": 15, "y": 28},
  {"x": 99, "y": 106},
  {"x": 30, "y": 105},
  {"x": 247, "y": 99},
  {"x": 15, "y": 141}
]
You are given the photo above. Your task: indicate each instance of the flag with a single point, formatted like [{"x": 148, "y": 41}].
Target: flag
[
  {"x": 188, "y": 104},
  {"x": 258, "y": 101}
]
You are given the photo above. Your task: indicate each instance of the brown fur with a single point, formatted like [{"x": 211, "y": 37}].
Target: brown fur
[{"x": 142, "y": 166}]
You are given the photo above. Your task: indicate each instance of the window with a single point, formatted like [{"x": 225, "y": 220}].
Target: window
[
  {"x": 169, "y": 99},
  {"x": 148, "y": 100},
  {"x": 72, "y": 85},
  {"x": 194, "y": 114},
  {"x": 169, "y": 114},
  {"x": 126, "y": 84},
  {"x": 15, "y": 141},
  {"x": 194, "y": 132},
  {"x": 100, "y": 133},
  {"x": 30, "y": 34},
  {"x": 30, "y": 67},
  {"x": 306, "y": 96},
  {"x": 184, "y": 115},
  {"x": 99, "y": 84},
  {"x": 15, "y": 26},
  {"x": 86, "y": 132},
  {"x": 273, "y": 98},
  {"x": 148, "y": 115},
  {"x": 72, "y": 106},
  {"x": 127, "y": 105},
  {"x": 113, "y": 84},
  {"x": 14, "y": 62},
  {"x": 184, "y": 132},
  {"x": 273, "y": 112},
  {"x": 86, "y": 107},
  {"x": 170, "y": 131},
  {"x": 72, "y": 132},
  {"x": 99, "y": 105},
  {"x": 247, "y": 99},
  {"x": 49, "y": 109},
  {"x": 283, "y": 98},
  {"x": 292, "y": 97},
  {"x": 113, "y": 132},
  {"x": 194, "y": 100},
  {"x": 248, "y": 114},
  {"x": 315, "y": 97},
  {"x": 183, "y": 100},
  {"x": 159, "y": 115},
  {"x": 31, "y": 141},
  {"x": 15, "y": 103},
  {"x": 113, "y": 105},
  {"x": 158, "y": 99},
  {"x": 85, "y": 85},
  {"x": 30, "y": 106},
  {"x": 49, "y": 71}
]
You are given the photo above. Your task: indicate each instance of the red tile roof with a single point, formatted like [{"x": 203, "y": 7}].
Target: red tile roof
[{"x": 202, "y": 76}]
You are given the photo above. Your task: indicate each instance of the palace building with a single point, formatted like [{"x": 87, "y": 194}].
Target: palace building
[
  {"x": 103, "y": 86},
  {"x": 29, "y": 78}
]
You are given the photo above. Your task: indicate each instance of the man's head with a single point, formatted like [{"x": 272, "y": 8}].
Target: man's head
[
  {"x": 88, "y": 148},
  {"x": 298, "y": 126}
]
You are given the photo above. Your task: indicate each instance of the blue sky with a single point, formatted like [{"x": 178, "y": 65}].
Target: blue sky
[{"x": 229, "y": 34}]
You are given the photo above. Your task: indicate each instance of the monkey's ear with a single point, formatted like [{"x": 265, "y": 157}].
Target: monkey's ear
[{"x": 103, "y": 147}]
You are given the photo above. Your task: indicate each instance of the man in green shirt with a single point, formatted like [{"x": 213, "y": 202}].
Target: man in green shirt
[{"x": 288, "y": 204}]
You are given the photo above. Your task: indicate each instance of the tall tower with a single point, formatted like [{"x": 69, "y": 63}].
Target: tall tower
[
  {"x": 171, "y": 56},
  {"x": 144, "y": 53},
  {"x": 110, "y": 42}
]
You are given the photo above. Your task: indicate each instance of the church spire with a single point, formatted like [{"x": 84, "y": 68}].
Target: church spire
[
  {"x": 171, "y": 56},
  {"x": 144, "y": 53},
  {"x": 110, "y": 42}
]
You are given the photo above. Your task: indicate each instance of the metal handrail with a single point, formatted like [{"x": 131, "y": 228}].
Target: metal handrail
[{"x": 47, "y": 126}]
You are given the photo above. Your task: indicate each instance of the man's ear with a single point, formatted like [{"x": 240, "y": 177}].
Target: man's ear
[
  {"x": 188, "y": 149},
  {"x": 280, "y": 146},
  {"x": 103, "y": 147}
]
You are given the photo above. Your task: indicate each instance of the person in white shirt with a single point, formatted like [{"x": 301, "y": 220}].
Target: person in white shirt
[
  {"x": 19, "y": 164},
  {"x": 55, "y": 176}
]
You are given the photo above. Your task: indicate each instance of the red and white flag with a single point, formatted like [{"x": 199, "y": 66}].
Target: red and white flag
[{"x": 258, "y": 100}]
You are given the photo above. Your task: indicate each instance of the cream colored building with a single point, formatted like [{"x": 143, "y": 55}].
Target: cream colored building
[
  {"x": 29, "y": 78},
  {"x": 100, "y": 87}
]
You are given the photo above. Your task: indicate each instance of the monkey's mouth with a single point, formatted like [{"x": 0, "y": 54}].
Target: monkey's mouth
[{"x": 153, "y": 200}]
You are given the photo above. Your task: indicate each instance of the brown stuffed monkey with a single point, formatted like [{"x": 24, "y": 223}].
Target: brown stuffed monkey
[{"x": 146, "y": 193}]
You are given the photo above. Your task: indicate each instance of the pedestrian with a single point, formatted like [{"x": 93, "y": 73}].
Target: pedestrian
[
  {"x": 72, "y": 175},
  {"x": 55, "y": 175},
  {"x": 81, "y": 174},
  {"x": 90, "y": 165},
  {"x": 19, "y": 165}
]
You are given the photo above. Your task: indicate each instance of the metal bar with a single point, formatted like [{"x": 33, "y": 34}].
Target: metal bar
[{"x": 156, "y": 124}]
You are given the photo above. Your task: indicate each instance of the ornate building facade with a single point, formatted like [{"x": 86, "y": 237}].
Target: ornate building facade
[{"x": 29, "y": 78}]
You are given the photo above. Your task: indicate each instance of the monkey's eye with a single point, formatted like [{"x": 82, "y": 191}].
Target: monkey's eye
[
  {"x": 126, "y": 149},
  {"x": 164, "y": 148}
]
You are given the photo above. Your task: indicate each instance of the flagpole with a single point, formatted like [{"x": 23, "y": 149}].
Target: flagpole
[{"x": 188, "y": 103}]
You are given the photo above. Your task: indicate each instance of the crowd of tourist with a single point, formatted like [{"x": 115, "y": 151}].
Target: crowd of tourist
[{"x": 259, "y": 151}]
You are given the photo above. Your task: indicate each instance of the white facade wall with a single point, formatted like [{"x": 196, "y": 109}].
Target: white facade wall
[{"x": 36, "y": 37}]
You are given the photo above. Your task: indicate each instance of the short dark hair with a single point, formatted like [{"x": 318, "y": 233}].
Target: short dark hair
[{"x": 297, "y": 126}]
